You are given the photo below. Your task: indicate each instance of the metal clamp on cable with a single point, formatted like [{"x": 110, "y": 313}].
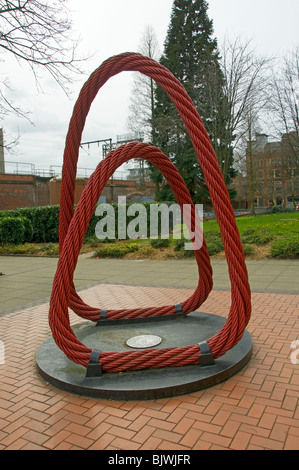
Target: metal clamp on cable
[
  {"x": 103, "y": 316},
  {"x": 94, "y": 368},
  {"x": 206, "y": 357},
  {"x": 179, "y": 309}
]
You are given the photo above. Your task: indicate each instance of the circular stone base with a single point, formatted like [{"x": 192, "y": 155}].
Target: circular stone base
[{"x": 176, "y": 331}]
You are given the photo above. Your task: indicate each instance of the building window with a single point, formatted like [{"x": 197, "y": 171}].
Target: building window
[
  {"x": 259, "y": 187},
  {"x": 290, "y": 186}
]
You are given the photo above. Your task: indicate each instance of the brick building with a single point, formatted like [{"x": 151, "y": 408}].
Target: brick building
[{"x": 272, "y": 168}]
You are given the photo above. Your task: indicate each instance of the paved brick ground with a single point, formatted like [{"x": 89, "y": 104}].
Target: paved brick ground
[{"x": 255, "y": 409}]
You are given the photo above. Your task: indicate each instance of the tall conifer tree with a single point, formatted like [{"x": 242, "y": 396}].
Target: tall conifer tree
[{"x": 191, "y": 54}]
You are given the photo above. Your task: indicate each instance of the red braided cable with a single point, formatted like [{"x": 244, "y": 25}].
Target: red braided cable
[{"x": 73, "y": 227}]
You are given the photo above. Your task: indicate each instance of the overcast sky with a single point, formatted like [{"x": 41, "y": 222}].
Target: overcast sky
[{"x": 109, "y": 28}]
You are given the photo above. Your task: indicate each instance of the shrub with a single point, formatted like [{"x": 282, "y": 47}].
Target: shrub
[
  {"x": 116, "y": 250},
  {"x": 257, "y": 237},
  {"x": 285, "y": 247},
  {"x": 94, "y": 242},
  {"x": 280, "y": 208},
  {"x": 180, "y": 244},
  {"x": 276, "y": 209},
  {"x": 160, "y": 243},
  {"x": 106, "y": 240},
  {"x": 50, "y": 249},
  {"x": 14, "y": 230},
  {"x": 248, "y": 249},
  {"x": 180, "y": 248},
  {"x": 145, "y": 251},
  {"x": 26, "y": 249},
  {"x": 214, "y": 242},
  {"x": 187, "y": 253}
]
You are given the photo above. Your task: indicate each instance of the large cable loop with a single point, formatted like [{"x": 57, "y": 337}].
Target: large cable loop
[{"x": 73, "y": 226}]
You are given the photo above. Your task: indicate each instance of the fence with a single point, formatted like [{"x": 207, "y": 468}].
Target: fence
[{"x": 22, "y": 168}]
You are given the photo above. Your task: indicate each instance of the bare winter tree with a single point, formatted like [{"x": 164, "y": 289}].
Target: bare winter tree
[
  {"x": 283, "y": 102},
  {"x": 142, "y": 95},
  {"x": 38, "y": 33},
  {"x": 283, "y": 106},
  {"x": 245, "y": 84},
  {"x": 251, "y": 126},
  {"x": 141, "y": 107}
]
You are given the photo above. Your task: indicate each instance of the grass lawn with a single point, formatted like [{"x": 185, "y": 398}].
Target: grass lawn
[
  {"x": 280, "y": 224},
  {"x": 262, "y": 236}
]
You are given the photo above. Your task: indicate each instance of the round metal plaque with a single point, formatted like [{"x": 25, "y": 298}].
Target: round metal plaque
[{"x": 143, "y": 341}]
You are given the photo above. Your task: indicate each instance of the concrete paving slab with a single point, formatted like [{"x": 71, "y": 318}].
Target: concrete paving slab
[{"x": 28, "y": 280}]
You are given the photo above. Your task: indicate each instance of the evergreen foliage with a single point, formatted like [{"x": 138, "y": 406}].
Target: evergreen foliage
[{"x": 191, "y": 54}]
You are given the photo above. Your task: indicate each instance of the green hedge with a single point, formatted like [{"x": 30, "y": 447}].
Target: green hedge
[
  {"x": 95, "y": 219},
  {"x": 45, "y": 222},
  {"x": 15, "y": 230}
]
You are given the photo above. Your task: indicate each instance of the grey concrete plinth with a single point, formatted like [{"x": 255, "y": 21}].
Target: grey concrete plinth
[{"x": 177, "y": 331}]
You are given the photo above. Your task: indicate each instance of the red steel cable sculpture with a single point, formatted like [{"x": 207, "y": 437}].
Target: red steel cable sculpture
[{"x": 74, "y": 224}]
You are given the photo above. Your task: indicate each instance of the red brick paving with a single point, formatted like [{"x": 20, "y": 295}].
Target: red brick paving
[{"x": 255, "y": 409}]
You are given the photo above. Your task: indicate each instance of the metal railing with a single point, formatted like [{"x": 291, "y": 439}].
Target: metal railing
[{"x": 22, "y": 168}]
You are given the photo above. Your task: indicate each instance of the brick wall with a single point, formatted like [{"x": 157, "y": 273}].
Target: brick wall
[
  {"x": 29, "y": 191},
  {"x": 23, "y": 191},
  {"x": 131, "y": 189}
]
